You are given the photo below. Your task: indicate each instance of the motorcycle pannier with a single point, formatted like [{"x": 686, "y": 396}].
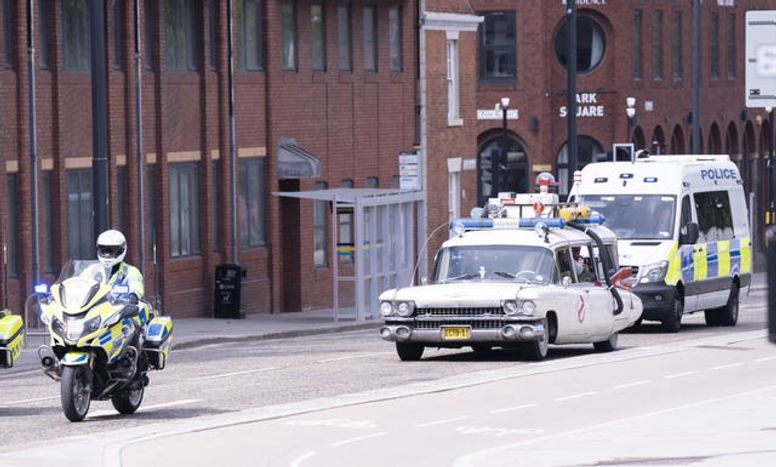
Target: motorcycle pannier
[
  {"x": 158, "y": 340},
  {"x": 11, "y": 339}
]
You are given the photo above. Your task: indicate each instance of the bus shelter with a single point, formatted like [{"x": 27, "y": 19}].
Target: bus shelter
[{"x": 374, "y": 231}]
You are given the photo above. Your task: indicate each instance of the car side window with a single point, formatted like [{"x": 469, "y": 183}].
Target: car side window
[
  {"x": 582, "y": 262},
  {"x": 565, "y": 265}
]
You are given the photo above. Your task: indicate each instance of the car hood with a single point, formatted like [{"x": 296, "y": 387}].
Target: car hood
[
  {"x": 459, "y": 294},
  {"x": 642, "y": 252}
]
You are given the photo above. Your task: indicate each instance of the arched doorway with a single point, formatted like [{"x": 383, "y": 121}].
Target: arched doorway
[
  {"x": 715, "y": 140},
  {"x": 658, "y": 142},
  {"x": 731, "y": 141},
  {"x": 513, "y": 173},
  {"x": 638, "y": 139},
  {"x": 588, "y": 150},
  {"x": 677, "y": 141}
]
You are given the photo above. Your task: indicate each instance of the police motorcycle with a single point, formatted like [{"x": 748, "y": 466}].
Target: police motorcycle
[
  {"x": 11, "y": 338},
  {"x": 103, "y": 340}
]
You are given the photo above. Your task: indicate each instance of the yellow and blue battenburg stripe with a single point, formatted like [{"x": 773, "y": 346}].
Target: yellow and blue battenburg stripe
[
  {"x": 722, "y": 258},
  {"x": 11, "y": 339}
]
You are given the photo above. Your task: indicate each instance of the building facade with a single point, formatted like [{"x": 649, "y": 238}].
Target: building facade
[
  {"x": 639, "y": 49},
  {"x": 333, "y": 82}
]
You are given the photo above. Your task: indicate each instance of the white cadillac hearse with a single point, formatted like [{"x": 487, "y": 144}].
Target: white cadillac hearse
[{"x": 516, "y": 282}]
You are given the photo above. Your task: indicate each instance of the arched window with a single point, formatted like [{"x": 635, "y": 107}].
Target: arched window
[
  {"x": 638, "y": 139},
  {"x": 591, "y": 44},
  {"x": 677, "y": 141},
  {"x": 715, "y": 140},
  {"x": 658, "y": 143},
  {"x": 513, "y": 171},
  {"x": 588, "y": 150}
]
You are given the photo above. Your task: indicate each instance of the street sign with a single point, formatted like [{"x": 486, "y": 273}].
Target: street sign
[
  {"x": 761, "y": 58},
  {"x": 497, "y": 114},
  {"x": 409, "y": 171}
]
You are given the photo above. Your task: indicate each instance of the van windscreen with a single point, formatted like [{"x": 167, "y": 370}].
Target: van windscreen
[{"x": 649, "y": 217}]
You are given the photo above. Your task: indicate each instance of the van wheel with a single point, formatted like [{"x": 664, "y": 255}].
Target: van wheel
[
  {"x": 728, "y": 314},
  {"x": 673, "y": 322},
  {"x": 712, "y": 317},
  {"x": 409, "y": 352}
]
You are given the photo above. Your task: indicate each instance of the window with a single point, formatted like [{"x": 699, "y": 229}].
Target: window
[
  {"x": 453, "y": 106},
  {"x": 250, "y": 45},
  {"x": 75, "y": 16},
  {"x": 686, "y": 213},
  {"x": 182, "y": 34},
  {"x": 121, "y": 197},
  {"x": 320, "y": 229},
  {"x": 251, "y": 202},
  {"x": 288, "y": 22},
  {"x": 497, "y": 47},
  {"x": 638, "y": 72},
  {"x": 48, "y": 225},
  {"x": 80, "y": 223},
  {"x": 715, "y": 220},
  {"x": 676, "y": 46},
  {"x": 731, "y": 46},
  {"x": 9, "y": 35},
  {"x": 344, "y": 58},
  {"x": 372, "y": 182},
  {"x": 212, "y": 12},
  {"x": 657, "y": 45},
  {"x": 714, "y": 45},
  {"x": 216, "y": 174},
  {"x": 588, "y": 150},
  {"x": 564, "y": 264},
  {"x": 184, "y": 209},
  {"x": 345, "y": 233},
  {"x": 394, "y": 38},
  {"x": 45, "y": 11},
  {"x": 318, "y": 35},
  {"x": 119, "y": 33},
  {"x": 149, "y": 33},
  {"x": 12, "y": 226},
  {"x": 370, "y": 38},
  {"x": 591, "y": 44}
]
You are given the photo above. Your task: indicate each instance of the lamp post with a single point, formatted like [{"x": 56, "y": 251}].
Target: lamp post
[
  {"x": 630, "y": 111},
  {"x": 504, "y": 105},
  {"x": 771, "y": 165}
]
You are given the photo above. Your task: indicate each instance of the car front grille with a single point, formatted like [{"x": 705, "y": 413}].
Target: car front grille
[
  {"x": 460, "y": 311},
  {"x": 474, "y": 324}
]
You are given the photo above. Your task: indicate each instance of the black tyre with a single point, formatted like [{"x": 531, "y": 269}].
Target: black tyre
[
  {"x": 127, "y": 402},
  {"x": 480, "y": 348},
  {"x": 409, "y": 352},
  {"x": 712, "y": 317},
  {"x": 728, "y": 314},
  {"x": 609, "y": 345},
  {"x": 673, "y": 322},
  {"x": 537, "y": 350},
  {"x": 76, "y": 391}
]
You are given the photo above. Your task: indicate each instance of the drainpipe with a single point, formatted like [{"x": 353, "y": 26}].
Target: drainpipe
[
  {"x": 423, "y": 211},
  {"x": 139, "y": 137}
]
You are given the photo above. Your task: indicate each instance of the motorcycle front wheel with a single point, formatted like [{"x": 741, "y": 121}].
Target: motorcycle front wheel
[
  {"x": 127, "y": 402},
  {"x": 76, "y": 391}
]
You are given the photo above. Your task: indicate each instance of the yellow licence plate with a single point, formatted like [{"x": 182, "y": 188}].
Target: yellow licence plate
[{"x": 458, "y": 334}]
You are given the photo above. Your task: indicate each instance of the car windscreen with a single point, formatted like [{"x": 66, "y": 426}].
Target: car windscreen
[
  {"x": 648, "y": 217},
  {"x": 498, "y": 263}
]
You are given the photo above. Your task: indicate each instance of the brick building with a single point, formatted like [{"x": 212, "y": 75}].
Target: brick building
[
  {"x": 637, "y": 48},
  {"x": 326, "y": 80}
]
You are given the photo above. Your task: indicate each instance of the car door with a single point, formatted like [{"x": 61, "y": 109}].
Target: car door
[
  {"x": 570, "y": 297},
  {"x": 595, "y": 306},
  {"x": 688, "y": 255}
]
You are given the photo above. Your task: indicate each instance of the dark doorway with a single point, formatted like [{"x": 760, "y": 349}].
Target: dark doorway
[
  {"x": 291, "y": 245},
  {"x": 513, "y": 174}
]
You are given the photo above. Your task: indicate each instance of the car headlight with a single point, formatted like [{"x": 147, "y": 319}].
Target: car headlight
[
  {"x": 510, "y": 307},
  {"x": 386, "y": 308},
  {"x": 526, "y": 307},
  {"x": 405, "y": 309},
  {"x": 655, "y": 272}
]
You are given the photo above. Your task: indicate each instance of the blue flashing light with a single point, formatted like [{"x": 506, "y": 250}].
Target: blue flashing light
[
  {"x": 594, "y": 219},
  {"x": 553, "y": 223},
  {"x": 650, "y": 179},
  {"x": 42, "y": 289},
  {"x": 626, "y": 176}
]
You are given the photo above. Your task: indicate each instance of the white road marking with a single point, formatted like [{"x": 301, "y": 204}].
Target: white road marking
[
  {"x": 351, "y": 357},
  {"x": 442, "y": 422},
  {"x": 335, "y": 422},
  {"x": 234, "y": 373},
  {"x": 28, "y": 401},
  {"x": 576, "y": 396},
  {"x": 204, "y": 347},
  {"x": 630, "y": 385},
  {"x": 679, "y": 375},
  {"x": 20, "y": 373},
  {"x": 510, "y": 409},
  {"x": 298, "y": 461},
  {"x": 360, "y": 438},
  {"x": 492, "y": 431},
  {"x": 103, "y": 413},
  {"x": 765, "y": 359},
  {"x": 722, "y": 367}
]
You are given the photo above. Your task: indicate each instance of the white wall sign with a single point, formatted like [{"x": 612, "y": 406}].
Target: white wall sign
[
  {"x": 589, "y": 2},
  {"x": 587, "y": 106},
  {"x": 409, "y": 171},
  {"x": 730, "y": 3},
  {"x": 761, "y": 58},
  {"x": 469, "y": 164},
  {"x": 497, "y": 114},
  {"x": 649, "y": 106}
]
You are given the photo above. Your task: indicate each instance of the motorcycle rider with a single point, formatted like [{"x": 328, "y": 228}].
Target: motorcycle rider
[{"x": 111, "y": 250}]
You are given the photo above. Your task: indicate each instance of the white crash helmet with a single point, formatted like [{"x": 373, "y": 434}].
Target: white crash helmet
[{"x": 111, "y": 248}]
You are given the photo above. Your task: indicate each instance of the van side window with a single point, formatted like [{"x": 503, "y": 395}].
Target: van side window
[{"x": 715, "y": 219}]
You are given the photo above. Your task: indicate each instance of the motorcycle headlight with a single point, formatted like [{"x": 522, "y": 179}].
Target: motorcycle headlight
[
  {"x": 405, "y": 309},
  {"x": 386, "y": 308},
  {"x": 57, "y": 327},
  {"x": 510, "y": 307},
  {"x": 653, "y": 272},
  {"x": 75, "y": 327}
]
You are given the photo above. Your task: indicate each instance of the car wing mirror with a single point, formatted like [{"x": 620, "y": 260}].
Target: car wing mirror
[
  {"x": 623, "y": 278},
  {"x": 689, "y": 234}
]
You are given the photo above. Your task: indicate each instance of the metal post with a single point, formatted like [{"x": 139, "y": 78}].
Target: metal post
[
  {"x": 99, "y": 116},
  {"x": 232, "y": 129},
  {"x": 696, "y": 76},
  {"x": 571, "y": 74},
  {"x": 502, "y": 155},
  {"x": 772, "y": 168},
  {"x": 33, "y": 138},
  {"x": 139, "y": 138}
]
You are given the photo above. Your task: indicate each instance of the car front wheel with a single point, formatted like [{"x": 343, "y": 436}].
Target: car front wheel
[{"x": 409, "y": 352}]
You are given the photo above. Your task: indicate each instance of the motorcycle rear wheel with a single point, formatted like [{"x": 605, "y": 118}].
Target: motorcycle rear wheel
[
  {"x": 76, "y": 391},
  {"x": 127, "y": 402}
]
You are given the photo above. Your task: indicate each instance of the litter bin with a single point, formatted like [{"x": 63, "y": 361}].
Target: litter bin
[{"x": 228, "y": 297}]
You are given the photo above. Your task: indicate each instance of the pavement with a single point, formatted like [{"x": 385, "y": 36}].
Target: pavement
[{"x": 196, "y": 332}]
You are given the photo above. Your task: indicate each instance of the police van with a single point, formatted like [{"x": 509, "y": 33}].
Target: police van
[{"x": 682, "y": 225}]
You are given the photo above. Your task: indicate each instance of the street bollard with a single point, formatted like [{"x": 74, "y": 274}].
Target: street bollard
[{"x": 770, "y": 241}]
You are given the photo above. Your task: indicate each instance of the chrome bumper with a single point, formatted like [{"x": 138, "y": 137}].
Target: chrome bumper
[{"x": 510, "y": 331}]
